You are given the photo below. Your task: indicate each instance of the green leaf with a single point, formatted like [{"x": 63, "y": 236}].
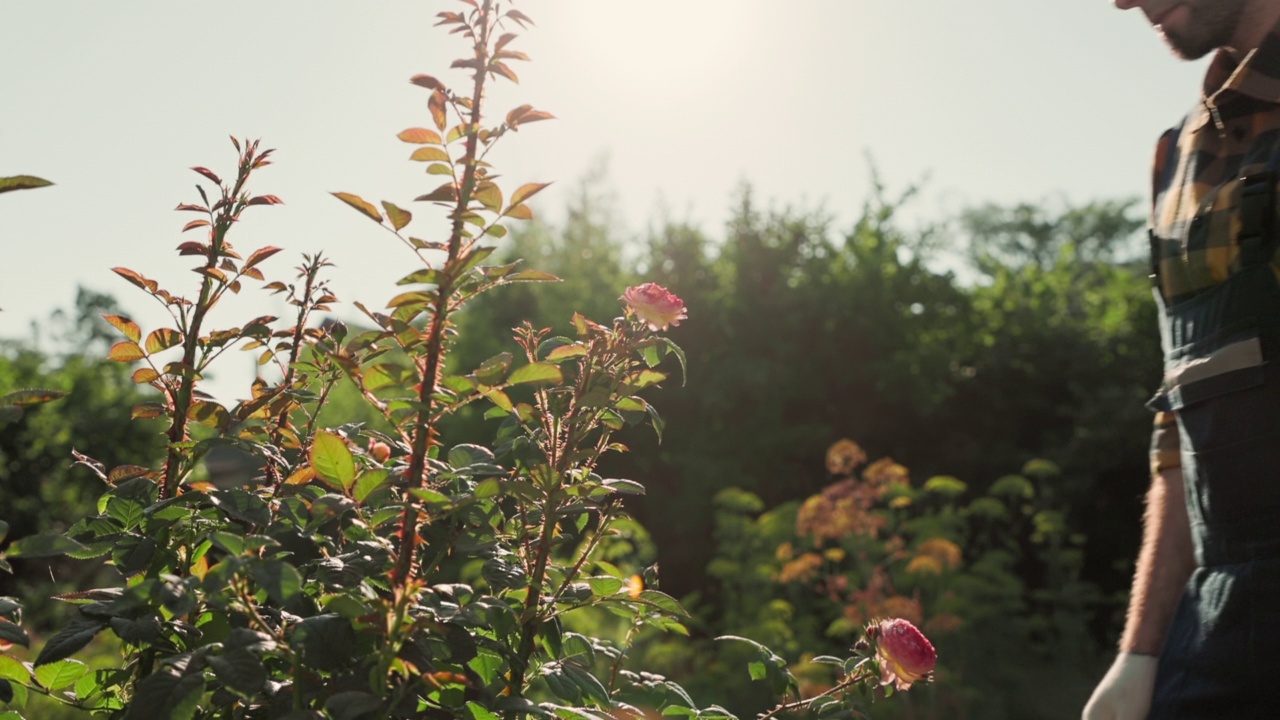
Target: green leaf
[
  {"x": 22, "y": 182},
  {"x": 757, "y": 669},
  {"x": 588, "y": 682},
  {"x": 536, "y": 373},
  {"x": 465, "y": 454},
  {"x": 240, "y": 671},
  {"x": 369, "y": 482},
  {"x": 67, "y": 641},
  {"x": 333, "y": 460},
  {"x": 325, "y": 641},
  {"x": 31, "y": 396},
  {"x": 10, "y": 632},
  {"x": 11, "y": 669},
  {"x": 281, "y": 580},
  {"x": 399, "y": 217},
  {"x": 564, "y": 352},
  {"x": 43, "y": 545},
  {"x": 166, "y": 694},
  {"x": 624, "y": 487},
  {"x": 493, "y": 370},
  {"x": 479, "y": 712},
  {"x": 61, "y": 674},
  {"x": 243, "y": 506},
  {"x": 352, "y": 704},
  {"x": 360, "y": 204}
]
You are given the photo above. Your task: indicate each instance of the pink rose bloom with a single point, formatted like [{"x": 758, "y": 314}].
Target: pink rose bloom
[
  {"x": 905, "y": 653},
  {"x": 655, "y": 305}
]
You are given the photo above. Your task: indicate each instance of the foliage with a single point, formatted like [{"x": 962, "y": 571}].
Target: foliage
[
  {"x": 382, "y": 572},
  {"x": 994, "y": 579}
]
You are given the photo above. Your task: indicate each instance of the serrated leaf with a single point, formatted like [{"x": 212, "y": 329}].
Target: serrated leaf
[
  {"x": 60, "y": 674},
  {"x": 360, "y": 204},
  {"x": 126, "y": 326},
  {"x": 398, "y": 217},
  {"x": 69, "y": 640},
  {"x": 125, "y": 351},
  {"x": 142, "y": 376},
  {"x": 368, "y": 482},
  {"x": 10, "y": 632},
  {"x": 536, "y": 373},
  {"x": 526, "y": 191},
  {"x": 11, "y": 669},
  {"x": 166, "y": 694},
  {"x": 209, "y": 414},
  {"x": 30, "y": 396},
  {"x": 281, "y": 580},
  {"x": 43, "y": 545},
  {"x": 430, "y": 154},
  {"x": 493, "y": 370},
  {"x": 239, "y": 670},
  {"x": 624, "y": 487},
  {"x": 147, "y": 411},
  {"x": 332, "y": 460},
  {"x": 420, "y": 136}
]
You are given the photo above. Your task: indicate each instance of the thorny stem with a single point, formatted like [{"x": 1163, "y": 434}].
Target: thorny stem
[
  {"x": 425, "y": 432},
  {"x": 304, "y": 309},
  {"x": 854, "y": 678}
]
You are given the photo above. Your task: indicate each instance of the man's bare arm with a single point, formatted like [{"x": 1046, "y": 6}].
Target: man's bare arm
[{"x": 1164, "y": 564}]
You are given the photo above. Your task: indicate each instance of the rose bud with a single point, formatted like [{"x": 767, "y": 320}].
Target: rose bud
[
  {"x": 906, "y": 655},
  {"x": 379, "y": 450}
]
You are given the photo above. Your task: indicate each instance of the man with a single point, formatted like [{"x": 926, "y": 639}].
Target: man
[{"x": 1202, "y": 637}]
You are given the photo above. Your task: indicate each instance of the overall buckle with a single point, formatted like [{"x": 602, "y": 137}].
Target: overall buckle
[{"x": 1257, "y": 216}]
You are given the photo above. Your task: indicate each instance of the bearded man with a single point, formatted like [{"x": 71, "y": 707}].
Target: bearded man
[{"x": 1202, "y": 636}]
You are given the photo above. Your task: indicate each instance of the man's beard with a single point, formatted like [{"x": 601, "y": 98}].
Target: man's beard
[{"x": 1210, "y": 24}]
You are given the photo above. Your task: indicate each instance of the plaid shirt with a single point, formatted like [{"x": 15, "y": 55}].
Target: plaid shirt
[{"x": 1196, "y": 178}]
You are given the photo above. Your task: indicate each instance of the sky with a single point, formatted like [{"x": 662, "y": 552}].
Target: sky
[{"x": 681, "y": 101}]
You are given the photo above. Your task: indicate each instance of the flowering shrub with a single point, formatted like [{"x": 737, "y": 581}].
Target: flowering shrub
[{"x": 376, "y": 572}]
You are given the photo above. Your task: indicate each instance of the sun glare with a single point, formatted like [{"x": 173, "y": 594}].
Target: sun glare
[{"x": 675, "y": 47}]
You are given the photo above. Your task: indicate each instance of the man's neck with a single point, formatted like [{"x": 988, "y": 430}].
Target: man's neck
[{"x": 1258, "y": 19}]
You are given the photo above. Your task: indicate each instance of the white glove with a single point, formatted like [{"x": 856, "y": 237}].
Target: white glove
[{"x": 1125, "y": 691}]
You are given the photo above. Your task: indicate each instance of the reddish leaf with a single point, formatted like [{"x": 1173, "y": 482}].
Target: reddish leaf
[
  {"x": 259, "y": 255},
  {"x": 210, "y": 414},
  {"x": 520, "y": 17},
  {"x": 265, "y": 200},
  {"x": 254, "y": 273},
  {"x": 301, "y": 476},
  {"x": 427, "y": 82},
  {"x": 120, "y": 473},
  {"x": 500, "y": 68},
  {"x": 208, "y": 174},
  {"x": 195, "y": 224},
  {"x": 503, "y": 41},
  {"x": 214, "y": 273},
  {"x": 125, "y": 325},
  {"x": 430, "y": 154},
  {"x": 360, "y": 204},
  {"x": 519, "y": 212},
  {"x": 133, "y": 277},
  {"x": 437, "y": 107},
  {"x": 143, "y": 376},
  {"x": 489, "y": 195},
  {"x": 444, "y": 193},
  {"x": 193, "y": 247},
  {"x": 398, "y": 217},
  {"x": 192, "y": 208},
  {"x": 466, "y": 63},
  {"x": 526, "y": 191},
  {"x": 125, "y": 351},
  {"x": 420, "y": 136},
  {"x": 511, "y": 55},
  {"x": 162, "y": 339}
]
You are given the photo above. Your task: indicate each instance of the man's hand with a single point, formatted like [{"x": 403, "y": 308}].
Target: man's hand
[{"x": 1125, "y": 691}]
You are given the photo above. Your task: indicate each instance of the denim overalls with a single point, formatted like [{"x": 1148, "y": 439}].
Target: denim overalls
[{"x": 1222, "y": 351}]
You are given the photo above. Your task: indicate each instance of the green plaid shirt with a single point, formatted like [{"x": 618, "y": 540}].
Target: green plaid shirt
[{"x": 1196, "y": 178}]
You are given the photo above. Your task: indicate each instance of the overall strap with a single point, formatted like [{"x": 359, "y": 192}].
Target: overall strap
[
  {"x": 1172, "y": 158},
  {"x": 1258, "y": 212}
]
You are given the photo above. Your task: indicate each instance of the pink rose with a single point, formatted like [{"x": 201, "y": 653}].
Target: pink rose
[
  {"x": 655, "y": 305},
  {"x": 905, "y": 653}
]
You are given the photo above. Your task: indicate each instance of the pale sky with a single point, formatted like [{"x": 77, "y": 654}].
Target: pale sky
[{"x": 992, "y": 100}]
